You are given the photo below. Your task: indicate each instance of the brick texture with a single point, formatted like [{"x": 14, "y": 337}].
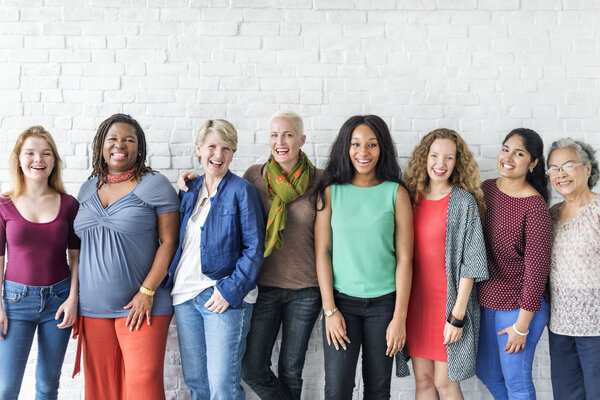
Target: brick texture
[{"x": 480, "y": 67}]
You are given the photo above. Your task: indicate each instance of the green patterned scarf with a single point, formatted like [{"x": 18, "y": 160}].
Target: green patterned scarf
[{"x": 283, "y": 190}]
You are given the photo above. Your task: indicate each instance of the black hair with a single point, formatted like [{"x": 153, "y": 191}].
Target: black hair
[
  {"x": 339, "y": 168},
  {"x": 98, "y": 163},
  {"x": 535, "y": 146}
]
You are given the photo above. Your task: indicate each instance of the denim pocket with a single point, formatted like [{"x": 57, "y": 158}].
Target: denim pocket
[
  {"x": 61, "y": 294},
  {"x": 11, "y": 297}
]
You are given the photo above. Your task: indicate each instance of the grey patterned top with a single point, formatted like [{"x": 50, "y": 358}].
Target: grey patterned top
[{"x": 465, "y": 258}]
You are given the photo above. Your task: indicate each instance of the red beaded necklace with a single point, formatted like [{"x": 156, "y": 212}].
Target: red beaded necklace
[{"x": 125, "y": 176}]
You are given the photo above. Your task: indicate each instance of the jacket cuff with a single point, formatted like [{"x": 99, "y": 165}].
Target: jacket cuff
[{"x": 232, "y": 298}]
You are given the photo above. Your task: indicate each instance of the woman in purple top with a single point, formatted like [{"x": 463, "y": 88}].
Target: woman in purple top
[
  {"x": 517, "y": 234},
  {"x": 40, "y": 286}
]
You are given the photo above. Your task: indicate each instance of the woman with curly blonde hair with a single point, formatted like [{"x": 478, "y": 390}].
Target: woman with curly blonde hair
[{"x": 449, "y": 256}]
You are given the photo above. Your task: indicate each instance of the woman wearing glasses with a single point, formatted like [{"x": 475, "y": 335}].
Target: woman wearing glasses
[{"x": 575, "y": 272}]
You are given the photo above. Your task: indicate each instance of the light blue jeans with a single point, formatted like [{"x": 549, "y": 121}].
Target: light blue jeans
[
  {"x": 508, "y": 376},
  {"x": 212, "y": 346},
  {"x": 29, "y": 308}
]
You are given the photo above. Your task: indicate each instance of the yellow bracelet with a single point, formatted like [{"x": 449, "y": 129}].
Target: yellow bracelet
[{"x": 147, "y": 291}]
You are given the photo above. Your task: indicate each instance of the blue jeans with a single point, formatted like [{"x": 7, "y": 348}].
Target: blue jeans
[
  {"x": 29, "y": 308},
  {"x": 212, "y": 346},
  {"x": 508, "y": 376},
  {"x": 296, "y": 312},
  {"x": 367, "y": 321},
  {"x": 575, "y": 366}
]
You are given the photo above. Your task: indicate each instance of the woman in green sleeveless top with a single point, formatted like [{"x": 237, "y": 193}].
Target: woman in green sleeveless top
[{"x": 363, "y": 243}]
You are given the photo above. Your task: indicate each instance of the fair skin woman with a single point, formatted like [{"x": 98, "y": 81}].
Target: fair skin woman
[
  {"x": 36, "y": 291},
  {"x": 513, "y": 163},
  {"x": 364, "y": 154},
  {"x": 215, "y": 156},
  {"x": 432, "y": 376},
  {"x": 572, "y": 185},
  {"x": 120, "y": 154},
  {"x": 39, "y": 203}
]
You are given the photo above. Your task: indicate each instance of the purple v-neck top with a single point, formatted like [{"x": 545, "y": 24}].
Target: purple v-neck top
[{"x": 36, "y": 253}]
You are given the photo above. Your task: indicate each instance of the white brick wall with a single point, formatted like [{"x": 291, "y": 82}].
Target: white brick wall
[{"x": 481, "y": 67}]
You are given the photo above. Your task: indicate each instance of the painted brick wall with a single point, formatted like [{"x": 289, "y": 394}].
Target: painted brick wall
[{"x": 481, "y": 67}]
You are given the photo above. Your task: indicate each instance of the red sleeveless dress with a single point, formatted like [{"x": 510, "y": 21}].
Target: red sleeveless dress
[{"x": 427, "y": 307}]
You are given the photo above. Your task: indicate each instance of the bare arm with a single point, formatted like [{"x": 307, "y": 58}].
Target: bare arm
[
  {"x": 141, "y": 304},
  {"x": 334, "y": 324},
  {"x": 69, "y": 307},
  {"x": 452, "y": 333},
  {"x": 396, "y": 331},
  {"x": 516, "y": 342}
]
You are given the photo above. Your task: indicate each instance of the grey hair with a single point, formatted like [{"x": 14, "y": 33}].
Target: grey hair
[
  {"x": 292, "y": 116},
  {"x": 585, "y": 153}
]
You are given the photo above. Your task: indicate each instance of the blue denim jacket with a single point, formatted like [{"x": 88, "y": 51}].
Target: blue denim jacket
[{"x": 233, "y": 236}]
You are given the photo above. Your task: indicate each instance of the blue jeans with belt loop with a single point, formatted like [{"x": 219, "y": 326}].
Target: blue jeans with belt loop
[{"x": 31, "y": 308}]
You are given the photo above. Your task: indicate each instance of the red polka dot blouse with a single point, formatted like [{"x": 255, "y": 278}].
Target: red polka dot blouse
[{"x": 518, "y": 237}]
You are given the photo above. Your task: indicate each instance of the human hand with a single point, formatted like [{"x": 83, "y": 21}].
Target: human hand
[
  {"x": 69, "y": 308},
  {"x": 217, "y": 303},
  {"x": 183, "y": 178},
  {"x": 452, "y": 334},
  {"x": 140, "y": 307},
  {"x": 4, "y": 323},
  {"x": 335, "y": 325},
  {"x": 515, "y": 342},
  {"x": 395, "y": 337}
]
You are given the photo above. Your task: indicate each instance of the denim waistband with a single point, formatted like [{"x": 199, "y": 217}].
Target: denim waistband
[{"x": 33, "y": 290}]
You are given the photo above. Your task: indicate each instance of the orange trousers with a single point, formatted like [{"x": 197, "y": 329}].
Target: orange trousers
[{"x": 119, "y": 364}]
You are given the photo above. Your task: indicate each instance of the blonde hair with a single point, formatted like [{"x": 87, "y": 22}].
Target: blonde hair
[
  {"x": 292, "y": 116},
  {"x": 18, "y": 178},
  {"x": 220, "y": 127},
  {"x": 465, "y": 174}
]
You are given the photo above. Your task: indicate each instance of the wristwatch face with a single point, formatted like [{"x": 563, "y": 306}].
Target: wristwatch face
[{"x": 329, "y": 313}]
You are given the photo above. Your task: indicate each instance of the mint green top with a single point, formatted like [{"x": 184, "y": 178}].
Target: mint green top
[{"x": 362, "y": 230}]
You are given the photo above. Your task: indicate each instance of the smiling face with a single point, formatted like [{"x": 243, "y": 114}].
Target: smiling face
[
  {"x": 120, "y": 150},
  {"x": 573, "y": 182},
  {"x": 441, "y": 160},
  {"x": 36, "y": 158},
  {"x": 285, "y": 142},
  {"x": 514, "y": 161},
  {"x": 215, "y": 155},
  {"x": 364, "y": 150}
]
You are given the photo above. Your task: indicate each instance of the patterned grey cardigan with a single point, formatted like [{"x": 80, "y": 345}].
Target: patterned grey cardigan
[{"x": 465, "y": 258}]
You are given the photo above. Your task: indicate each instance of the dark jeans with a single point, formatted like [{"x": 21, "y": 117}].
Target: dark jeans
[
  {"x": 295, "y": 311},
  {"x": 367, "y": 321},
  {"x": 575, "y": 366}
]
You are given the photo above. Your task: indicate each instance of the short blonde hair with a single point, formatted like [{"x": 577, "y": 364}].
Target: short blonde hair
[
  {"x": 292, "y": 116},
  {"x": 54, "y": 180},
  {"x": 220, "y": 127}
]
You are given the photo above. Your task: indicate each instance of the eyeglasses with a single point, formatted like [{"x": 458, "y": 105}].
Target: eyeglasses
[{"x": 566, "y": 167}]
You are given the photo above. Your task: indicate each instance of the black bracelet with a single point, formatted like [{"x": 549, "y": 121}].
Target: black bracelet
[{"x": 457, "y": 323}]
